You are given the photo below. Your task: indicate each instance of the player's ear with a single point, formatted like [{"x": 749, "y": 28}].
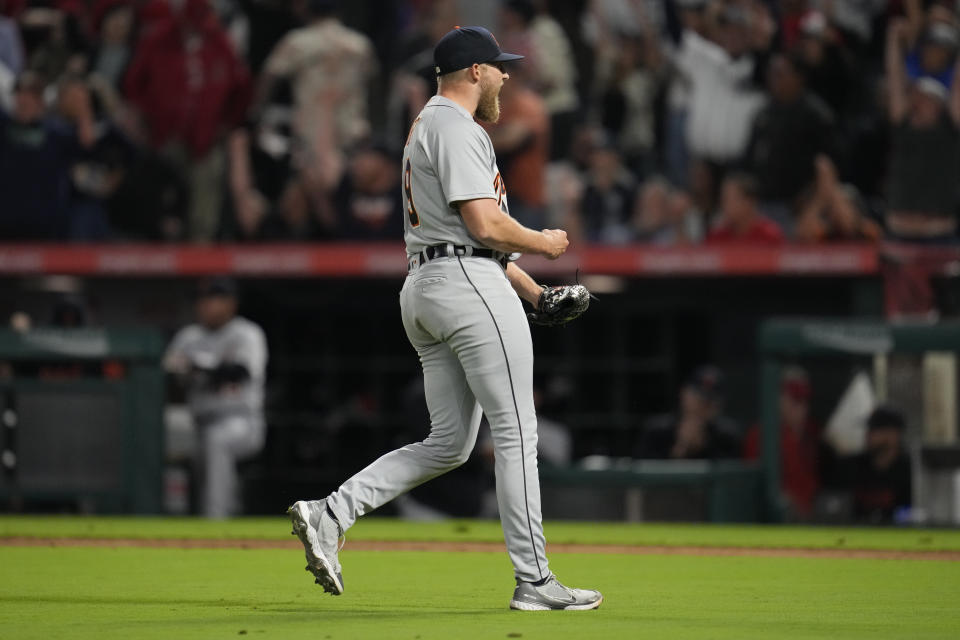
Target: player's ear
[{"x": 475, "y": 72}]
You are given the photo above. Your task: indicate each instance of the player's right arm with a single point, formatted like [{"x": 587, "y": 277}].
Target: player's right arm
[
  {"x": 488, "y": 224},
  {"x": 466, "y": 167}
]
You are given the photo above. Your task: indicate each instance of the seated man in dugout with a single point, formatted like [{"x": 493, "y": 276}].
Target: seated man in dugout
[{"x": 698, "y": 430}]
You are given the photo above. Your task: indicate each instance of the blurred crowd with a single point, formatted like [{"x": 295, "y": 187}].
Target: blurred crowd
[{"x": 670, "y": 122}]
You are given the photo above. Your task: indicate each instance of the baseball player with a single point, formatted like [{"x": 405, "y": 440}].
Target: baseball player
[
  {"x": 221, "y": 362},
  {"x": 462, "y": 311}
]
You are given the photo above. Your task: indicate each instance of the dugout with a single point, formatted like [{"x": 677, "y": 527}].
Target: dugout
[
  {"x": 341, "y": 370},
  {"x": 912, "y": 365},
  {"x": 81, "y": 420}
]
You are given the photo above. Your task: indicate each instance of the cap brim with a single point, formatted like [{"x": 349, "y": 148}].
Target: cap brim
[{"x": 507, "y": 57}]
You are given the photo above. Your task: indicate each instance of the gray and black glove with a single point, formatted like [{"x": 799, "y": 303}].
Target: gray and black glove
[{"x": 560, "y": 305}]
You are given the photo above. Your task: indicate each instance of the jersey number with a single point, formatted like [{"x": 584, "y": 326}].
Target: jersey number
[
  {"x": 410, "y": 133},
  {"x": 501, "y": 190},
  {"x": 408, "y": 191}
]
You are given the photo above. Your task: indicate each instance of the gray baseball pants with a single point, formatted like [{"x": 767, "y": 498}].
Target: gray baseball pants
[
  {"x": 224, "y": 442},
  {"x": 469, "y": 328}
]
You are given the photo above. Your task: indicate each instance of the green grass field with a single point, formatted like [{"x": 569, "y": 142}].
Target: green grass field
[{"x": 102, "y": 592}]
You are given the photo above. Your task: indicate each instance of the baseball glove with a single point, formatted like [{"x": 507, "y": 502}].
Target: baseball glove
[{"x": 560, "y": 305}]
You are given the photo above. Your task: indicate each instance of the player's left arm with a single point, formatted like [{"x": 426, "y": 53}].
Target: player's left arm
[
  {"x": 525, "y": 286},
  {"x": 553, "y": 306},
  {"x": 247, "y": 361}
]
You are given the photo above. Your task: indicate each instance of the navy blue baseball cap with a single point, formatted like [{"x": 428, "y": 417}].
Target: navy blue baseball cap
[
  {"x": 466, "y": 46},
  {"x": 217, "y": 286}
]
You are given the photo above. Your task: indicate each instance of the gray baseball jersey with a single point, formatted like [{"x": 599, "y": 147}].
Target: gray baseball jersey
[
  {"x": 448, "y": 158},
  {"x": 468, "y": 326},
  {"x": 237, "y": 342}
]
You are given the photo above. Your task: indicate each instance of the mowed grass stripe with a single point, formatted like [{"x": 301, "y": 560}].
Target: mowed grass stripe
[
  {"x": 699, "y": 535},
  {"x": 498, "y": 547},
  {"x": 85, "y": 593}
]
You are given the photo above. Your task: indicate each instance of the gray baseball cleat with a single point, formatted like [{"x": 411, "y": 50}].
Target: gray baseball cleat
[
  {"x": 553, "y": 596},
  {"x": 320, "y": 535}
]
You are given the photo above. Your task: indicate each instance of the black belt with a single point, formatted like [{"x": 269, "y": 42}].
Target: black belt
[{"x": 452, "y": 250}]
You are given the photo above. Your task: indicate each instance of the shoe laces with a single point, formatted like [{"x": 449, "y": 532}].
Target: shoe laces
[{"x": 568, "y": 590}]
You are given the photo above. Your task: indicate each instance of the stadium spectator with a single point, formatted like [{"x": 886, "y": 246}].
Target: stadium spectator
[
  {"x": 788, "y": 133},
  {"x": 11, "y": 58},
  {"x": 259, "y": 169},
  {"x": 115, "y": 26},
  {"x": 269, "y": 21},
  {"x": 652, "y": 216},
  {"x": 98, "y": 168},
  {"x": 414, "y": 80},
  {"x": 833, "y": 211},
  {"x": 53, "y": 39},
  {"x": 272, "y": 202},
  {"x": 11, "y": 44},
  {"x": 260, "y": 166},
  {"x": 692, "y": 17},
  {"x": 600, "y": 17},
  {"x": 612, "y": 66},
  {"x": 521, "y": 139},
  {"x": 36, "y": 153},
  {"x": 667, "y": 216},
  {"x": 564, "y": 186},
  {"x": 189, "y": 86},
  {"x": 685, "y": 222},
  {"x": 296, "y": 217},
  {"x": 879, "y": 479},
  {"x": 855, "y": 20},
  {"x": 740, "y": 219},
  {"x": 151, "y": 202},
  {"x": 935, "y": 54},
  {"x": 609, "y": 199},
  {"x": 698, "y": 430},
  {"x": 327, "y": 64},
  {"x": 925, "y": 158},
  {"x": 555, "y": 77},
  {"x": 513, "y": 25},
  {"x": 221, "y": 362},
  {"x": 866, "y": 133},
  {"x": 236, "y": 23},
  {"x": 365, "y": 201},
  {"x": 825, "y": 64},
  {"x": 630, "y": 73},
  {"x": 719, "y": 67},
  {"x": 800, "y": 445}
]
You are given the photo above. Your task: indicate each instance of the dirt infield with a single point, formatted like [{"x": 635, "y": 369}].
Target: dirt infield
[{"x": 391, "y": 545}]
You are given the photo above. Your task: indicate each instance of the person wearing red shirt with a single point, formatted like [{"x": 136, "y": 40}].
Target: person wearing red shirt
[
  {"x": 740, "y": 219},
  {"x": 190, "y": 87},
  {"x": 799, "y": 445}
]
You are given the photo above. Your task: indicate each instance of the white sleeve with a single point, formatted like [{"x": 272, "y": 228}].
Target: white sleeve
[
  {"x": 176, "y": 348},
  {"x": 698, "y": 56},
  {"x": 284, "y": 58},
  {"x": 252, "y": 352},
  {"x": 695, "y": 52},
  {"x": 739, "y": 70},
  {"x": 257, "y": 354}
]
